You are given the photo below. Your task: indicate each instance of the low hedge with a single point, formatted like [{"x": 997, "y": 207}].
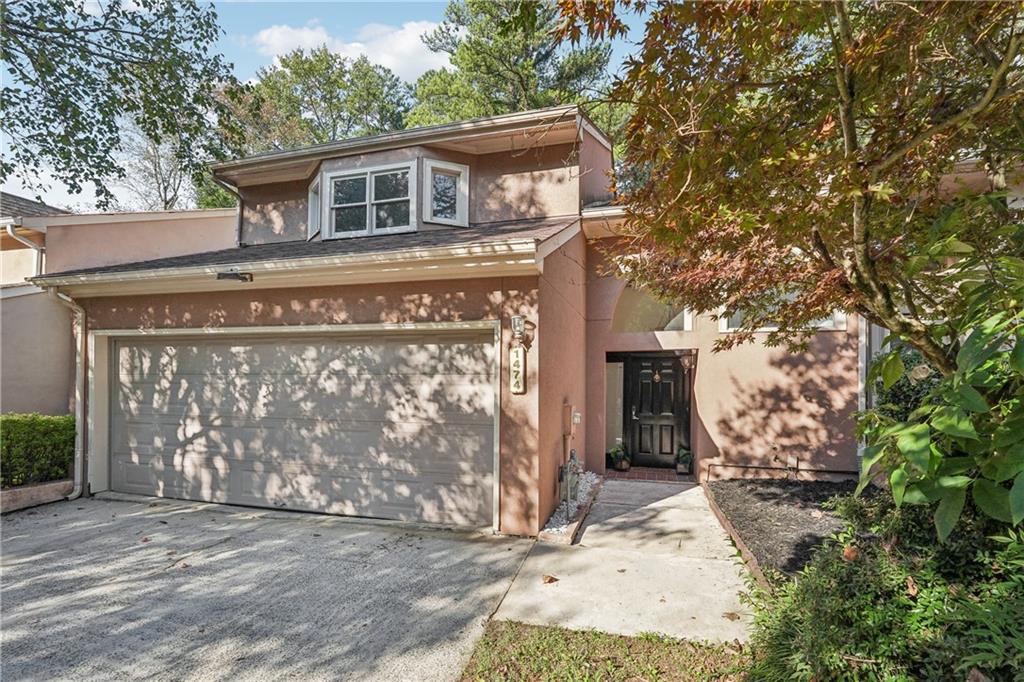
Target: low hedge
[{"x": 35, "y": 448}]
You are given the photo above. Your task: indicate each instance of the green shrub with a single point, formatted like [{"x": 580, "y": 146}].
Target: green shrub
[
  {"x": 907, "y": 394},
  {"x": 35, "y": 448},
  {"x": 884, "y": 600}
]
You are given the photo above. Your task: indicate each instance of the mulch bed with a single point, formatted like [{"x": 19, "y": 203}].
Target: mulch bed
[{"x": 780, "y": 521}]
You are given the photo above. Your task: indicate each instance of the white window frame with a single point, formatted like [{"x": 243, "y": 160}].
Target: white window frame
[
  {"x": 836, "y": 323},
  {"x": 327, "y": 214},
  {"x": 461, "y": 170},
  {"x": 313, "y": 224}
]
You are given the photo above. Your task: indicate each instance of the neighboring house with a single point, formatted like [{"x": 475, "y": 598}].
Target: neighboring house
[
  {"x": 36, "y": 353},
  {"x": 420, "y": 325}
]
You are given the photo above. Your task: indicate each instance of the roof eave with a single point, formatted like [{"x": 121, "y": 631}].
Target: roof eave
[
  {"x": 503, "y": 258},
  {"x": 424, "y": 135}
]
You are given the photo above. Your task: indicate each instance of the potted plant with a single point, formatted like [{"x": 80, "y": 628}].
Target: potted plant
[
  {"x": 620, "y": 460},
  {"x": 684, "y": 461}
]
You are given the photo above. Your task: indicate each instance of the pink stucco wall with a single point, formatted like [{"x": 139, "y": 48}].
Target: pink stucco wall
[
  {"x": 756, "y": 410},
  {"x": 529, "y": 183},
  {"x": 561, "y": 338},
  {"x": 438, "y": 301},
  {"x": 36, "y": 355},
  {"x": 595, "y": 170},
  {"x": 91, "y": 244}
]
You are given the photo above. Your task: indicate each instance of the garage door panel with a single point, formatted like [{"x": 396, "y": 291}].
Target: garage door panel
[
  {"x": 469, "y": 398},
  {"x": 357, "y": 441},
  {"x": 413, "y": 356},
  {"x": 322, "y": 425},
  {"x": 434, "y": 497}
]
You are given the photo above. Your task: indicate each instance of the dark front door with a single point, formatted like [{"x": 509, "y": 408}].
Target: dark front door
[{"x": 655, "y": 400}]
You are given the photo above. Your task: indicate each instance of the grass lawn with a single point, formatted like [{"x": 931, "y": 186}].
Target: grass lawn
[{"x": 514, "y": 651}]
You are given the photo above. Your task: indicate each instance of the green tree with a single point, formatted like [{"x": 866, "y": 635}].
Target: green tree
[
  {"x": 74, "y": 77},
  {"x": 317, "y": 96},
  {"x": 798, "y": 159},
  {"x": 503, "y": 59}
]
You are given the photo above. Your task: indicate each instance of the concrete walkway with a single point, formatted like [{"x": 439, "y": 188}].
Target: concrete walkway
[{"x": 651, "y": 558}]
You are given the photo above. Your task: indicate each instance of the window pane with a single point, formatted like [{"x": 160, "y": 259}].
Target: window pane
[
  {"x": 350, "y": 219},
  {"x": 391, "y": 185},
  {"x": 736, "y": 320},
  {"x": 392, "y": 214},
  {"x": 350, "y": 191},
  {"x": 443, "y": 199}
]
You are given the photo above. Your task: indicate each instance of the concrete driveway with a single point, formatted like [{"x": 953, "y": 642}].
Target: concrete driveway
[
  {"x": 104, "y": 589},
  {"x": 652, "y": 557}
]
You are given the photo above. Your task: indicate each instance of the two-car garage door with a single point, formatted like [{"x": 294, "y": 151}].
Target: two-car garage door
[{"x": 397, "y": 426}]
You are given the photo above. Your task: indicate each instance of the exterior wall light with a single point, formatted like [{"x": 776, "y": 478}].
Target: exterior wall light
[{"x": 235, "y": 275}]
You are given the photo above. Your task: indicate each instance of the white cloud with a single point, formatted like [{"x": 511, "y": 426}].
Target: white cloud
[{"x": 400, "y": 48}]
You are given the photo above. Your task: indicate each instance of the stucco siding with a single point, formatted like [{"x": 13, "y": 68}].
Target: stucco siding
[
  {"x": 436, "y": 301},
  {"x": 756, "y": 410},
  {"x": 595, "y": 170},
  {"x": 36, "y": 355},
  {"x": 87, "y": 245},
  {"x": 16, "y": 265},
  {"x": 561, "y": 339},
  {"x": 531, "y": 183}
]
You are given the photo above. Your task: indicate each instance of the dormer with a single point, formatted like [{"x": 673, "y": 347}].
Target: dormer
[{"x": 528, "y": 165}]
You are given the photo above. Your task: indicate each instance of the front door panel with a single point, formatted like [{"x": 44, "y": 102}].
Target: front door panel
[{"x": 655, "y": 402}]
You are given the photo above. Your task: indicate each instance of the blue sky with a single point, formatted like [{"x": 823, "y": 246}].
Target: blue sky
[{"x": 255, "y": 33}]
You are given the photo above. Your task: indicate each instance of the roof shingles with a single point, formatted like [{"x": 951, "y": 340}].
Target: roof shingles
[
  {"x": 13, "y": 206},
  {"x": 537, "y": 229}
]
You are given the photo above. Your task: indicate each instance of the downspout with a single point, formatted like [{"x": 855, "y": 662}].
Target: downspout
[
  {"x": 238, "y": 196},
  {"x": 40, "y": 250},
  {"x": 80, "y": 353}
]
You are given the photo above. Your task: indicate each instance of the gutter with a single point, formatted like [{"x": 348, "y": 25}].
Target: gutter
[
  {"x": 513, "y": 247},
  {"x": 424, "y": 135},
  {"x": 238, "y": 196},
  {"x": 40, "y": 250},
  {"x": 80, "y": 353}
]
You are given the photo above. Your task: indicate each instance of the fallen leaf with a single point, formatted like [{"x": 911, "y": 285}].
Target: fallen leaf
[
  {"x": 977, "y": 676},
  {"x": 662, "y": 600},
  {"x": 817, "y": 514},
  {"x": 548, "y": 579},
  {"x": 316, "y": 535},
  {"x": 622, "y": 570},
  {"x": 731, "y": 615},
  {"x": 183, "y": 565},
  {"x": 850, "y": 553},
  {"x": 145, "y": 539},
  {"x": 911, "y": 587}
]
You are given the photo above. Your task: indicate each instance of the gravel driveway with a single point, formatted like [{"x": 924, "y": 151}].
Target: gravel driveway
[{"x": 111, "y": 589}]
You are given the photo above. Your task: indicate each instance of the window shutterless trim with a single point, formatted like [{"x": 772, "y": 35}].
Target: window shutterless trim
[
  {"x": 461, "y": 171},
  {"x": 327, "y": 207},
  {"x": 313, "y": 224}
]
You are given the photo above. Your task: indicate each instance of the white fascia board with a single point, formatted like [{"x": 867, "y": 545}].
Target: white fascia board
[
  {"x": 555, "y": 242},
  {"x": 495, "y": 259},
  {"x": 41, "y": 222}
]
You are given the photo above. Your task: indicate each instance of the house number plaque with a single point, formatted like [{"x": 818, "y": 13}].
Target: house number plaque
[{"x": 517, "y": 369}]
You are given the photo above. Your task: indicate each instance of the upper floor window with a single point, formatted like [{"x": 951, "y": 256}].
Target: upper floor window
[
  {"x": 734, "y": 321},
  {"x": 446, "y": 200},
  {"x": 370, "y": 201}
]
